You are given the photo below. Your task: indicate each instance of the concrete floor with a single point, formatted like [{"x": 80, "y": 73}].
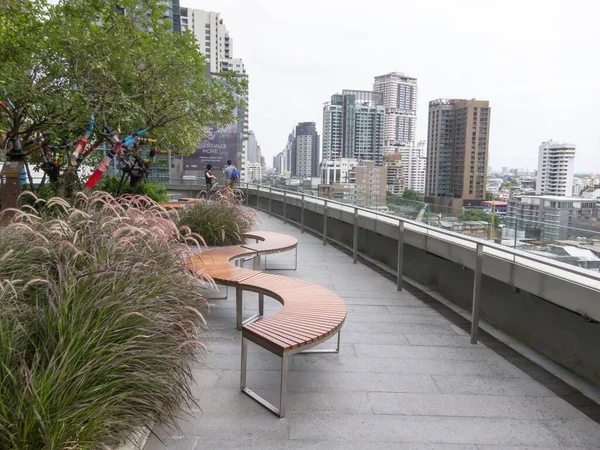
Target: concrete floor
[{"x": 406, "y": 378}]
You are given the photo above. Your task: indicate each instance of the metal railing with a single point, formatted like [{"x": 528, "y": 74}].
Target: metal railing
[{"x": 479, "y": 247}]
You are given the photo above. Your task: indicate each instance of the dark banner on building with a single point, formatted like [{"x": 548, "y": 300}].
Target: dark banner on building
[{"x": 219, "y": 146}]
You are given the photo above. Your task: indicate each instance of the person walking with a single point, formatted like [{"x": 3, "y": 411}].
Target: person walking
[
  {"x": 210, "y": 180},
  {"x": 231, "y": 175}
]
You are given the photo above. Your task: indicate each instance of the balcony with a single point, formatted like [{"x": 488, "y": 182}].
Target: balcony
[{"x": 407, "y": 375}]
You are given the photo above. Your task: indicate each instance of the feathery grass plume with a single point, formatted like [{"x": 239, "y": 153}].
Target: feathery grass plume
[
  {"x": 220, "y": 221},
  {"x": 99, "y": 322}
]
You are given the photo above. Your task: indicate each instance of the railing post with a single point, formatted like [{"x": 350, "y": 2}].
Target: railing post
[
  {"x": 476, "y": 294},
  {"x": 325, "y": 222},
  {"x": 355, "y": 239},
  {"x": 399, "y": 265},
  {"x": 270, "y": 198},
  {"x": 284, "y": 207},
  {"x": 302, "y": 216}
]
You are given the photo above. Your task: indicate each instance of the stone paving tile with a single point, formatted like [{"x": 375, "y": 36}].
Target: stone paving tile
[
  {"x": 475, "y": 353},
  {"x": 504, "y": 447},
  {"x": 377, "y": 295},
  {"x": 368, "y": 300},
  {"x": 484, "y": 368},
  {"x": 412, "y": 310},
  {"x": 334, "y": 381},
  {"x": 406, "y": 379},
  {"x": 397, "y": 318},
  {"x": 320, "y": 445},
  {"x": 166, "y": 443},
  {"x": 261, "y": 424},
  {"x": 583, "y": 432},
  {"x": 336, "y": 402},
  {"x": 472, "y": 406},
  {"x": 373, "y": 338},
  {"x": 425, "y": 429},
  {"x": 390, "y": 327},
  {"x": 439, "y": 341},
  {"x": 453, "y": 384},
  {"x": 362, "y": 309}
]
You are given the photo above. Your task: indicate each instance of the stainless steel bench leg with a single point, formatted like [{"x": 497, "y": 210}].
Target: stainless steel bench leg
[
  {"x": 296, "y": 259},
  {"x": 257, "y": 262},
  {"x": 285, "y": 358},
  {"x": 261, "y": 304},
  {"x": 295, "y": 267},
  {"x": 283, "y": 387},
  {"x": 244, "y": 388},
  {"x": 238, "y": 307},
  {"x": 244, "y": 363},
  {"x": 327, "y": 350}
]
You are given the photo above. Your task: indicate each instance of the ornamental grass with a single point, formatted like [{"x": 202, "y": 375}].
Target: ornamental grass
[
  {"x": 100, "y": 322},
  {"x": 222, "y": 220}
]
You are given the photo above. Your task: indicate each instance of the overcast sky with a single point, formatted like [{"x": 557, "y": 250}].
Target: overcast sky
[{"x": 536, "y": 61}]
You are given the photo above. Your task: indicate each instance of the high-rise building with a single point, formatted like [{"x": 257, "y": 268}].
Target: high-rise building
[
  {"x": 287, "y": 152},
  {"x": 555, "y": 169},
  {"x": 353, "y": 126},
  {"x": 213, "y": 39},
  {"x": 400, "y": 102},
  {"x": 305, "y": 150},
  {"x": 278, "y": 162},
  {"x": 414, "y": 164},
  {"x": 254, "y": 172},
  {"x": 173, "y": 13},
  {"x": 371, "y": 181},
  {"x": 554, "y": 216},
  {"x": 216, "y": 45},
  {"x": 337, "y": 170},
  {"x": 457, "y": 149},
  {"x": 395, "y": 178},
  {"x": 366, "y": 185},
  {"x": 253, "y": 146}
]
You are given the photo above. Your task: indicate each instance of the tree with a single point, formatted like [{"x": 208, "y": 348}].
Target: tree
[
  {"x": 490, "y": 196},
  {"x": 118, "y": 61},
  {"x": 410, "y": 194},
  {"x": 475, "y": 214}
]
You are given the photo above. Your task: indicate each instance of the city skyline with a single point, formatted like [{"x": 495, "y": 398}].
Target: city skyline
[{"x": 541, "y": 83}]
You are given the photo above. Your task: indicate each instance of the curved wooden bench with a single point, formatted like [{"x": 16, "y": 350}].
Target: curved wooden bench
[
  {"x": 172, "y": 205},
  {"x": 310, "y": 314},
  {"x": 269, "y": 242}
]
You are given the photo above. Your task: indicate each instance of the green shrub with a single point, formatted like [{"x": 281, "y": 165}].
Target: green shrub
[
  {"x": 110, "y": 184},
  {"x": 99, "y": 322},
  {"x": 45, "y": 192},
  {"x": 220, "y": 221}
]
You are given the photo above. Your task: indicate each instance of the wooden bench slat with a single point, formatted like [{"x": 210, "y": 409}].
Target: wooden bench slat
[
  {"x": 289, "y": 329},
  {"x": 284, "y": 335}
]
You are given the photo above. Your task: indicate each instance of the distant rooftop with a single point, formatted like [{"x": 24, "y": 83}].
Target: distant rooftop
[
  {"x": 395, "y": 75},
  {"x": 559, "y": 198}
]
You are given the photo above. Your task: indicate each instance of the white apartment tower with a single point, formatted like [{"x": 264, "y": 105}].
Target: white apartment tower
[
  {"x": 213, "y": 40},
  {"x": 414, "y": 164},
  {"x": 337, "y": 170},
  {"x": 400, "y": 102},
  {"x": 216, "y": 45},
  {"x": 555, "y": 169}
]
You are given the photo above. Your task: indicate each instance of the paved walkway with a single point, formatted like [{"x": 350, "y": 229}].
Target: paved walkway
[{"x": 406, "y": 378}]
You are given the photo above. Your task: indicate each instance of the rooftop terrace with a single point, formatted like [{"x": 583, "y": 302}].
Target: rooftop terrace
[{"x": 406, "y": 378}]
